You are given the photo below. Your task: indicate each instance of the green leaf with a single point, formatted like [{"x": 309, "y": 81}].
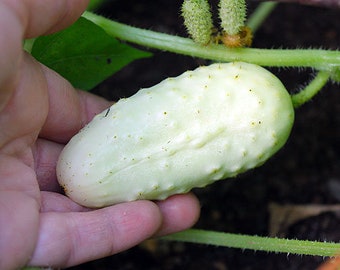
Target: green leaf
[{"x": 84, "y": 54}]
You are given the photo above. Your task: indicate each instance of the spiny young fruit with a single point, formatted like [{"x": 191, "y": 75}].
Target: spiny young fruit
[
  {"x": 198, "y": 20},
  {"x": 204, "y": 125},
  {"x": 233, "y": 15}
]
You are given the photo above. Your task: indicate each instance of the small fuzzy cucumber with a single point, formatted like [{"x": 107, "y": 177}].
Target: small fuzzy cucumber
[{"x": 204, "y": 125}]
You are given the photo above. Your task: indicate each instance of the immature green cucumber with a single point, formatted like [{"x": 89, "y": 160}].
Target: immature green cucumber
[{"x": 204, "y": 125}]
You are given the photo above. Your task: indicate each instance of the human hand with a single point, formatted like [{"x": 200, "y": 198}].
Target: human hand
[{"x": 39, "y": 113}]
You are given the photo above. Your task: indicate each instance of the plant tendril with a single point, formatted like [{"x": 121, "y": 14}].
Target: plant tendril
[{"x": 311, "y": 89}]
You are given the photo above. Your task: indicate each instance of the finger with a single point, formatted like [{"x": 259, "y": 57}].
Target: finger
[
  {"x": 69, "y": 109},
  {"x": 25, "y": 112},
  {"x": 179, "y": 212},
  {"x": 68, "y": 239},
  {"x": 10, "y": 43},
  {"x": 44, "y": 16},
  {"x": 24, "y": 19},
  {"x": 45, "y": 155},
  {"x": 55, "y": 202}
]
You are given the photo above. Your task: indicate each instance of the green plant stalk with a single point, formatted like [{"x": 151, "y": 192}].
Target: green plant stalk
[
  {"x": 311, "y": 89},
  {"x": 301, "y": 247},
  {"x": 315, "y": 58},
  {"x": 260, "y": 15}
]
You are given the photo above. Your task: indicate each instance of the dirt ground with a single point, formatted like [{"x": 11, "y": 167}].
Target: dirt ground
[{"x": 305, "y": 172}]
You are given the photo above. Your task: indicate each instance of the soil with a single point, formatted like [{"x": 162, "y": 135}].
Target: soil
[{"x": 305, "y": 172}]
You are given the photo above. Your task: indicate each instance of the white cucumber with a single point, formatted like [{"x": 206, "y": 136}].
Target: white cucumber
[{"x": 204, "y": 125}]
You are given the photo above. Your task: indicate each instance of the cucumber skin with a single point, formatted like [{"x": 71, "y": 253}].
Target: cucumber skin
[{"x": 205, "y": 125}]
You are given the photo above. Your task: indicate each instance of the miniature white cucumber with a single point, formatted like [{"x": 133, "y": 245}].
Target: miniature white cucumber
[{"x": 204, "y": 125}]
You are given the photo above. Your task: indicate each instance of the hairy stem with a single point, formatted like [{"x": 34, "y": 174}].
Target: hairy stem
[
  {"x": 311, "y": 89},
  {"x": 301, "y": 247},
  {"x": 318, "y": 59}
]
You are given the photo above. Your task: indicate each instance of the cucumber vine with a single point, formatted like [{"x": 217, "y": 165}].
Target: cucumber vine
[
  {"x": 325, "y": 62},
  {"x": 197, "y": 18}
]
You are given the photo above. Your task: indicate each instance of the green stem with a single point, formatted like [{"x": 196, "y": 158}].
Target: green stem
[
  {"x": 315, "y": 58},
  {"x": 260, "y": 15},
  {"x": 301, "y": 247},
  {"x": 311, "y": 89}
]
